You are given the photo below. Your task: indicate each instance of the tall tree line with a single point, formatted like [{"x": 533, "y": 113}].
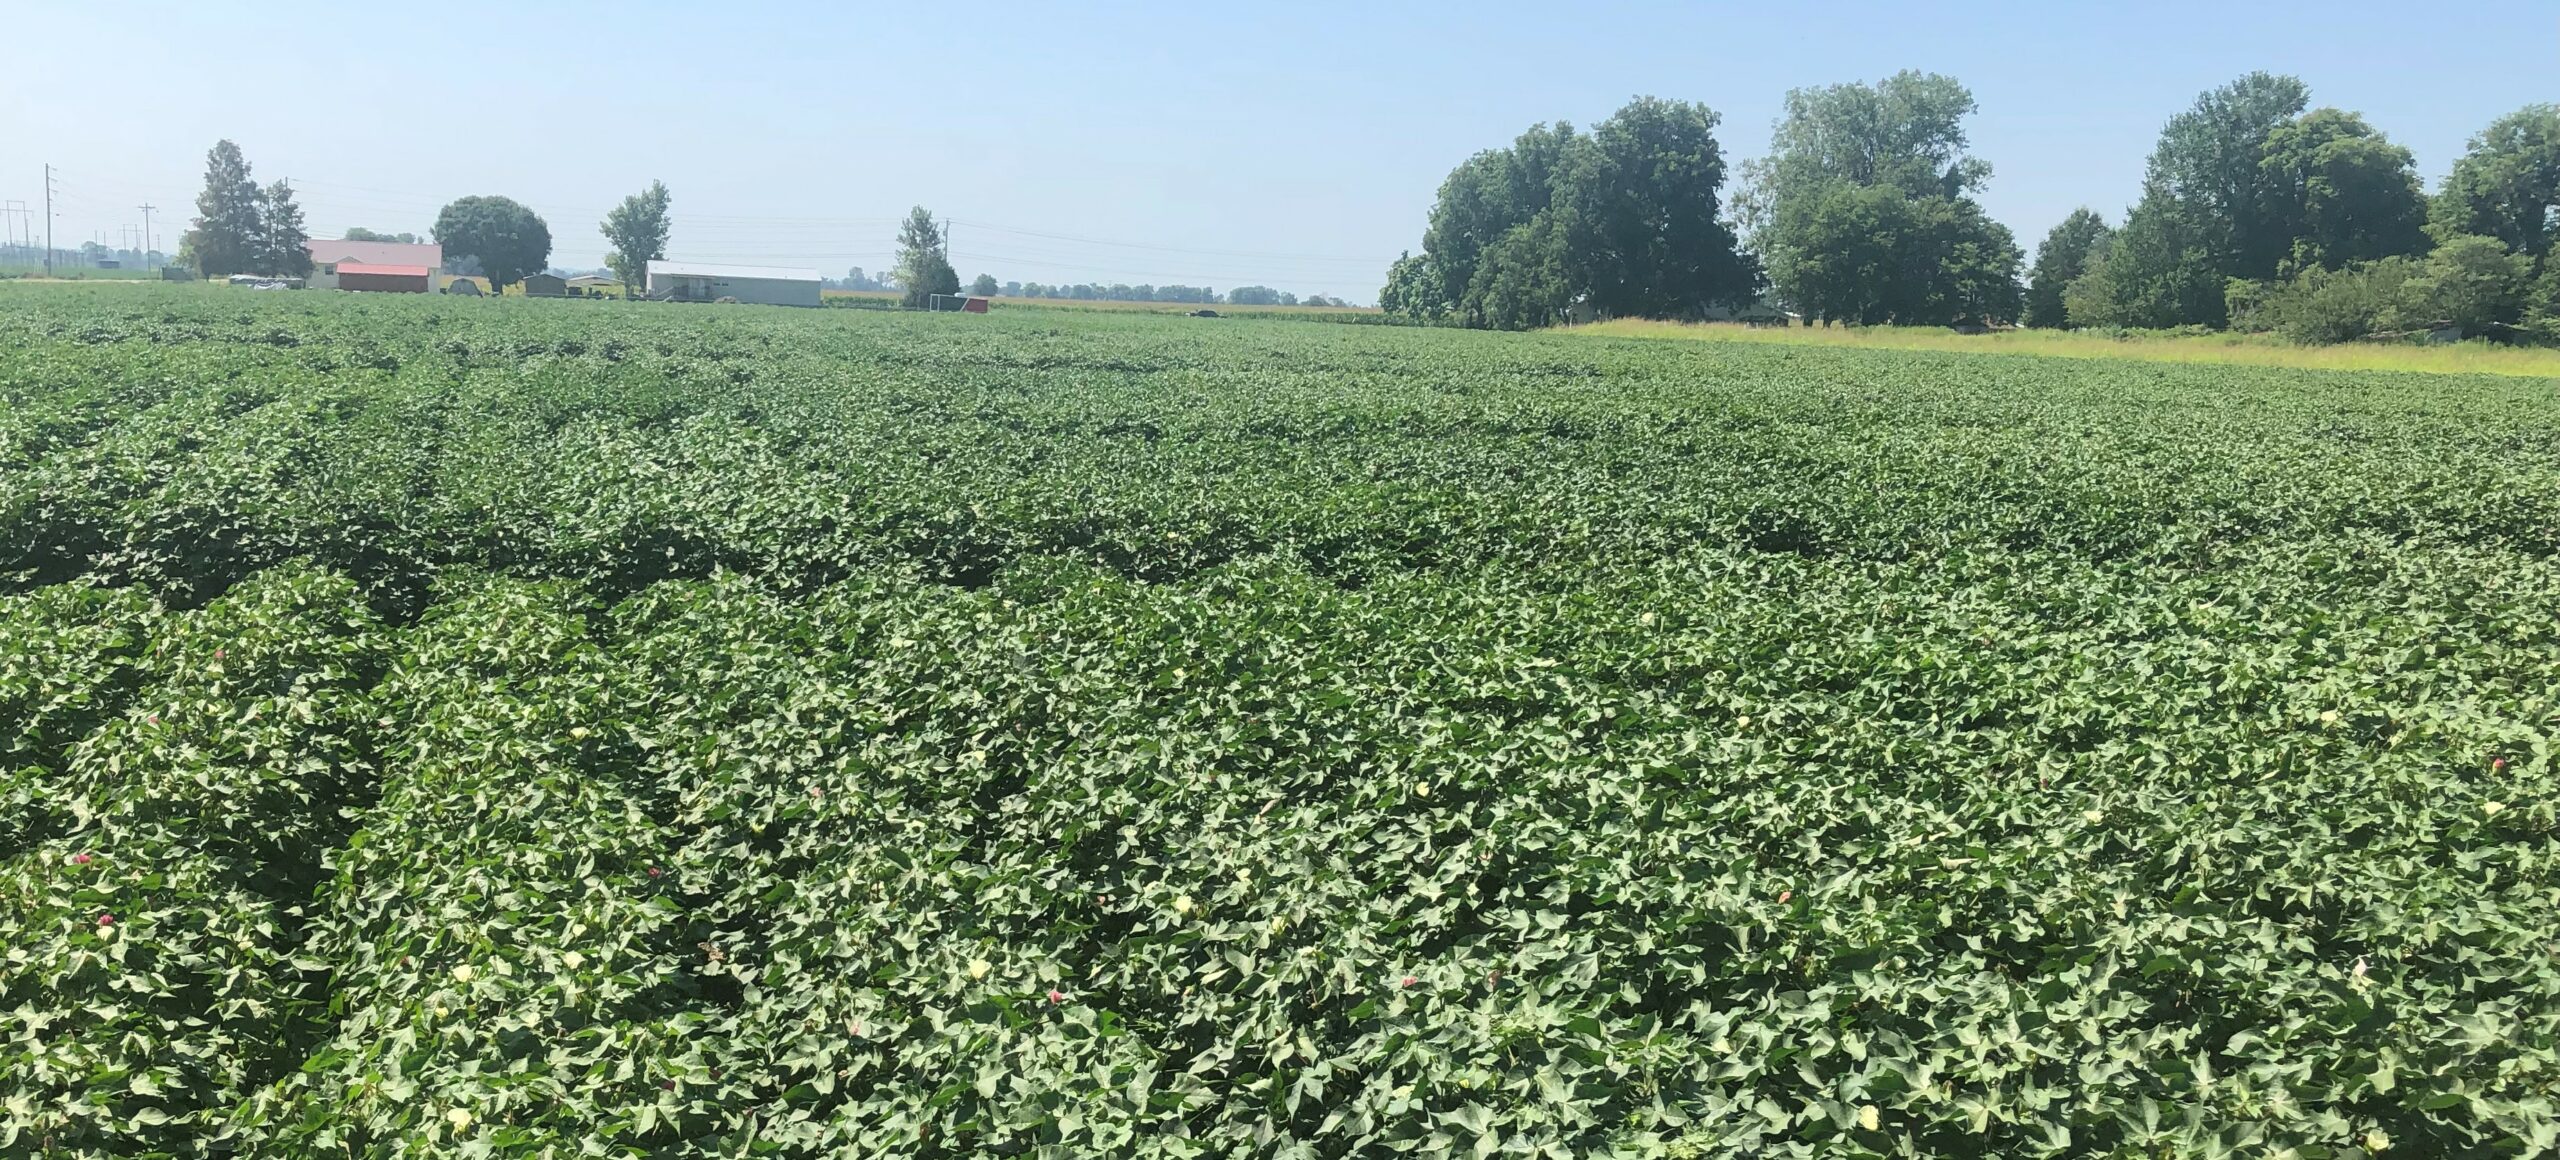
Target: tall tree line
[{"x": 2257, "y": 210}]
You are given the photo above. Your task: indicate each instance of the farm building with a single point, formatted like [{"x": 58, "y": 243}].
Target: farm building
[
  {"x": 703, "y": 282},
  {"x": 328, "y": 256},
  {"x": 596, "y": 286},
  {"x": 384, "y": 279},
  {"x": 958, "y": 303},
  {"x": 546, "y": 286}
]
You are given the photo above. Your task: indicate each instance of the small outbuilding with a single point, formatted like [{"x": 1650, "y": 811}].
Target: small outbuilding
[
  {"x": 545, "y": 286},
  {"x": 705, "y": 282},
  {"x": 957, "y": 303},
  {"x": 328, "y": 257},
  {"x": 595, "y": 286},
  {"x": 385, "y": 279}
]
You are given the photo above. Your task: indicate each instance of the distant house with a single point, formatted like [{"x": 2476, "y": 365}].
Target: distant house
[
  {"x": 596, "y": 286},
  {"x": 328, "y": 256},
  {"x": 546, "y": 286},
  {"x": 704, "y": 282},
  {"x": 384, "y": 279}
]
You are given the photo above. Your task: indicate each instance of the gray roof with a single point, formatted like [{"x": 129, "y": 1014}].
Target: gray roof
[{"x": 713, "y": 270}]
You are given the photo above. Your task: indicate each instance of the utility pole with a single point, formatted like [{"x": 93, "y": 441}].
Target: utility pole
[
  {"x": 146, "y": 235},
  {"x": 48, "y": 219}
]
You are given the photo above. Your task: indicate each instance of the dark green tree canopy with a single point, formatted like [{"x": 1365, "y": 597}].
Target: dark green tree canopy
[
  {"x": 508, "y": 240},
  {"x": 2062, "y": 259},
  {"x": 280, "y": 241},
  {"x": 637, "y": 232},
  {"x": 2507, "y": 185},
  {"x": 2342, "y": 192},
  {"x": 1864, "y": 211},
  {"x": 2210, "y": 169},
  {"x": 361, "y": 234},
  {"x": 228, "y": 230},
  {"x": 1623, "y": 221},
  {"x": 1640, "y": 205}
]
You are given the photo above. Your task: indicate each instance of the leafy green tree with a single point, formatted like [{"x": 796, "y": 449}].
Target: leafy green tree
[
  {"x": 1489, "y": 194},
  {"x": 924, "y": 266},
  {"x": 225, "y": 237},
  {"x": 2507, "y": 184},
  {"x": 2210, "y": 167},
  {"x": 281, "y": 237},
  {"x": 361, "y": 234},
  {"x": 509, "y": 240},
  {"x": 2158, "y": 272},
  {"x": 637, "y": 233},
  {"x": 1413, "y": 288},
  {"x": 1522, "y": 281},
  {"x": 2342, "y": 192},
  {"x": 2474, "y": 283},
  {"x": 984, "y": 286},
  {"x": 2542, "y": 305},
  {"x": 1640, "y": 205},
  {"x": 2063, "y": 258},
  {"x": 1864, "y": 209}
]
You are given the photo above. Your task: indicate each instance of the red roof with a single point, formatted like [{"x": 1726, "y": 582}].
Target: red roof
[
  {"x": 346, "y": 268},
  {"x": 325, "y": 251}
]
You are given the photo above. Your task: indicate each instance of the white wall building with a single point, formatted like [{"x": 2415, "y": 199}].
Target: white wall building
[{"x": 704, "y": 282}]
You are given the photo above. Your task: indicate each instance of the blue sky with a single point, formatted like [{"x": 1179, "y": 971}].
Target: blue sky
[{"x": 1291, "y": 144}]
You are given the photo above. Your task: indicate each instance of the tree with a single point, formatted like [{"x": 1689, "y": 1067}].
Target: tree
[
  {"x": 2062, "y": 259},
  {"x": 1413, "y": 288},
  {"x": 1522, "y": 280},
  {"x": 361, "y": 234},
  {"x": 2155, "y": 273},
  {"x": 1864, "y": 211},
  {"x": 225, "y": 236},
  {"x": 984, "y": 286},
  {"x": 2473, "y": 282},
  {"x": 1639, "y": 209},
  {"x": 508, "y": 240},
  {"x": 636, "y": 231},
  {"x": 280, "y": 241},
  {"x": 924, "y": 267},
  {"x": 1488, "y": 195},
  {"x": 2210, "y": 165},
  {"x": 2342, "y": 192},
  {"x": 2507, "y": 184}
]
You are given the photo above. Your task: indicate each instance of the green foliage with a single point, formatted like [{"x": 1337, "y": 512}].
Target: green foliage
[
  {"x": 506, "y": 240},
  {"x": 361, "y": 234},
  {"x": 281, "y": 236},
  {"x": 1865, "y": 208},
  {"x": 2065, "y": 255},
  {"x": 984, "y": 286},
  {"x": 2474, "y": 283},
  {"x": 2507, "y": 185},
  {"x": 924, "y": 265},
  {"x": 2348, "y": 194},
  {"x": 2470, "y": 283},
  {"x": 636, "y": 232},
  {"x": 1622, "y": 222},
  {"x": 502, "y": 730},
  {"x": 228, "y": 229},
  {"x": 1413, "y": 288}
]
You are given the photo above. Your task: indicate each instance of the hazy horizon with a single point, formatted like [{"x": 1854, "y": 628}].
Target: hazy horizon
[{"x": 1291, "y": 147}]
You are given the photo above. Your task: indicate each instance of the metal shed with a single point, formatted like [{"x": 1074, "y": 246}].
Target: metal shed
[
  {"x": 705, "y": 282},
  {"x": 387, "y": 279}
]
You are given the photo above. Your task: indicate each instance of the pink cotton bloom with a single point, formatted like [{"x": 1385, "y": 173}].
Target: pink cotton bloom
[
  {"x": 653, "y": 871},
  {"x": 106, "y": 920},
  {"x": 1786, "y": 896},
  {"x": 1409, "y": 981},
  {"x": 79, "y": 859},
  {"x": 1057, "y": 996}
]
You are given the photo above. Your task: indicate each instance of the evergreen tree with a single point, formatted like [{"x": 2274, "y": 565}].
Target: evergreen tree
[
  {"x": 281, "y": 238},
  {"x": 225, "y": 236}
]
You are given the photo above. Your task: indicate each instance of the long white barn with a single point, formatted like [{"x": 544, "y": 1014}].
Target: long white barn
[{"x": 706, "y": 282}]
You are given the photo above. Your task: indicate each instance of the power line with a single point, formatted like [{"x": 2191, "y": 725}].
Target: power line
[{"x": 48, "y": 219}]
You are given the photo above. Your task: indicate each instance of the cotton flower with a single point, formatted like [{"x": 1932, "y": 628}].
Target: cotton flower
[
  {"x": 1057, "y": 996},
  {"x": 459, "y": 1118},
  {"x": 2328, "y": 716},
  {"x": 79, "y": 859},
  {"x": 106, "y": 920},
  {"x": 1786, "y": 896},
  {"x": 1182, "y": 904},
  {"x": 2492, "y": 807},
  {"x": 978, "y": 968},
  {"x": 574, "y": 959},
  {"x": 1422, "y": 789},
  {"x": 462, "y": 973},
  {"x": 1407, "y": 981},
  {"x": 2094, "y": 816},
  {"x": 1870, "y": 1118}
]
